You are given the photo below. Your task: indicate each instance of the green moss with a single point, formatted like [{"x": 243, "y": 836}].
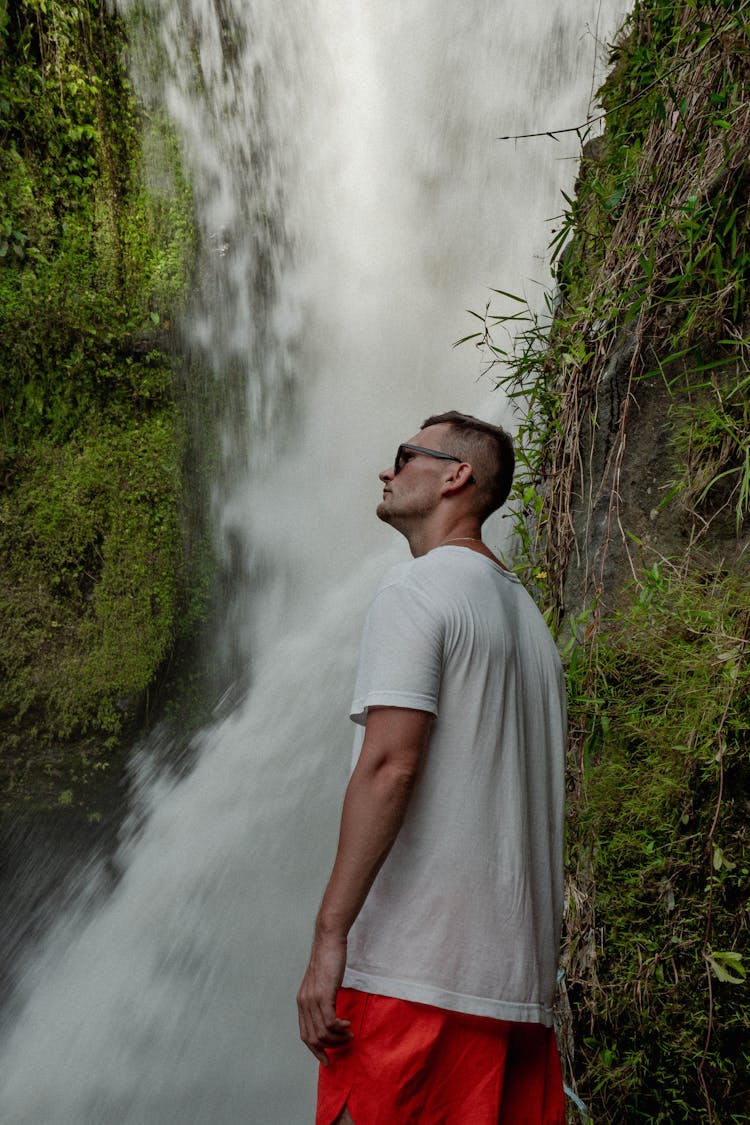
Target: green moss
[
  {"x": 95, "y": 255},
  {"x": 661, "y": 697},
  {"x": 91, "y": 553}
]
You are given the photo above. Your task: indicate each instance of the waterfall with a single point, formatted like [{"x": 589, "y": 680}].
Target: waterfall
[{"x": 352, "y": 202}]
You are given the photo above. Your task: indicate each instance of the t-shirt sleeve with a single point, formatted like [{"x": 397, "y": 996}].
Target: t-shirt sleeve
[{"x": 400, "y": 660}]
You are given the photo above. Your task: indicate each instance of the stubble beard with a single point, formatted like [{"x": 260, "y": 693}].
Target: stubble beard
[
  {"x": 382, "y": 512},
  {"x": 402, "y": 521}
]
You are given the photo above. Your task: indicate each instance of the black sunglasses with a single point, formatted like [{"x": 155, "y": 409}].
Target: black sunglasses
[{"x": 400, "y": 461}]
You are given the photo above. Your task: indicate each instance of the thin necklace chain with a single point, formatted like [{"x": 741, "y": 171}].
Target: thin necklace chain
[{"x": 462, "y": 539}]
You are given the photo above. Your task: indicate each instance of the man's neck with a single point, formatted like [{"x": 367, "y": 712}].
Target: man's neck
[{"x": 424, "y": 539}]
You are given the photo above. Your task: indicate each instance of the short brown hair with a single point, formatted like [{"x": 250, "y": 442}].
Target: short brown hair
[{"x": 488, "y": 448}]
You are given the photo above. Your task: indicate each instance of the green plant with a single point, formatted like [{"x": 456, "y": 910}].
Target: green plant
[{"x": 660, "y": 716}]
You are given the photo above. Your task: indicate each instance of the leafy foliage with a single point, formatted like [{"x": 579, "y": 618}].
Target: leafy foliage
[
  {"x": 91, "y": 551},
  {"x": 660, "y": 848},
  {"x": 92, "y": 269}
]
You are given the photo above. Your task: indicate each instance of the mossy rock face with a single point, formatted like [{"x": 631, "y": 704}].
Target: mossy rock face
[
  {"x": 93, "y": 578},
  {"x": 90, "y": 547},
  {"x": 659, "y": 848},
  {"x": 95, "y": 256},
  {"x": 649, "y": 547},
  {"x": 634, "y": 532}
]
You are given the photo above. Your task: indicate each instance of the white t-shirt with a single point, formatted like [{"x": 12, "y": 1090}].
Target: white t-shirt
[{"x": 465, "y": 913}]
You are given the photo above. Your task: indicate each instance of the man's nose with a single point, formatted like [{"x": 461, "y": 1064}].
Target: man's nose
[{"x": 387, "y": 474}]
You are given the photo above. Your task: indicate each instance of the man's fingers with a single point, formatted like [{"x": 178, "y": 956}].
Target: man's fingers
[
  {"x": 337, "y": 1032},
  {"x": 331, "y": 1033},
  {"x": 320, "y": 1027}
]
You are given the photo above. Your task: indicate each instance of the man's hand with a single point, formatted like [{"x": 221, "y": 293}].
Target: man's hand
[{"x": 319, "y": 1026}]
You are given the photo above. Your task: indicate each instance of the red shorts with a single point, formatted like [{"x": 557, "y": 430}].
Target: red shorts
[{"x": 412, "y": 1064}]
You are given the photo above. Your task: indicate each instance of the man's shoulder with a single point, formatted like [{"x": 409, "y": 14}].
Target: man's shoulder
[
  {"x": 409, "y": 587},
  {"x": 448, "y": 576},
  {"x": 421, "y": 573},
  {"x": 435, "y": 581},
  {"x": 396, "y": 575}
]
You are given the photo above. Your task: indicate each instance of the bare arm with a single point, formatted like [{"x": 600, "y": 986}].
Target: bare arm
[{"x": 373, "y": 811}]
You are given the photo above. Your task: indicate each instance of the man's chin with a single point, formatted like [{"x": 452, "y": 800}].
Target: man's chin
[{"x": 382, "y": 512}]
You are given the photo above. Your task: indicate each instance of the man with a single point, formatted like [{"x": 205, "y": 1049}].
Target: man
[{"x": 428, "y": 994}]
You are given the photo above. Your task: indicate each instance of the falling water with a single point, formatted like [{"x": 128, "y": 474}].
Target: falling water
[{"x": 352, "y": 202}]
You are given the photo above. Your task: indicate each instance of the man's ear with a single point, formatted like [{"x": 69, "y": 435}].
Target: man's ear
[{"x": 457, "y": 477}]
